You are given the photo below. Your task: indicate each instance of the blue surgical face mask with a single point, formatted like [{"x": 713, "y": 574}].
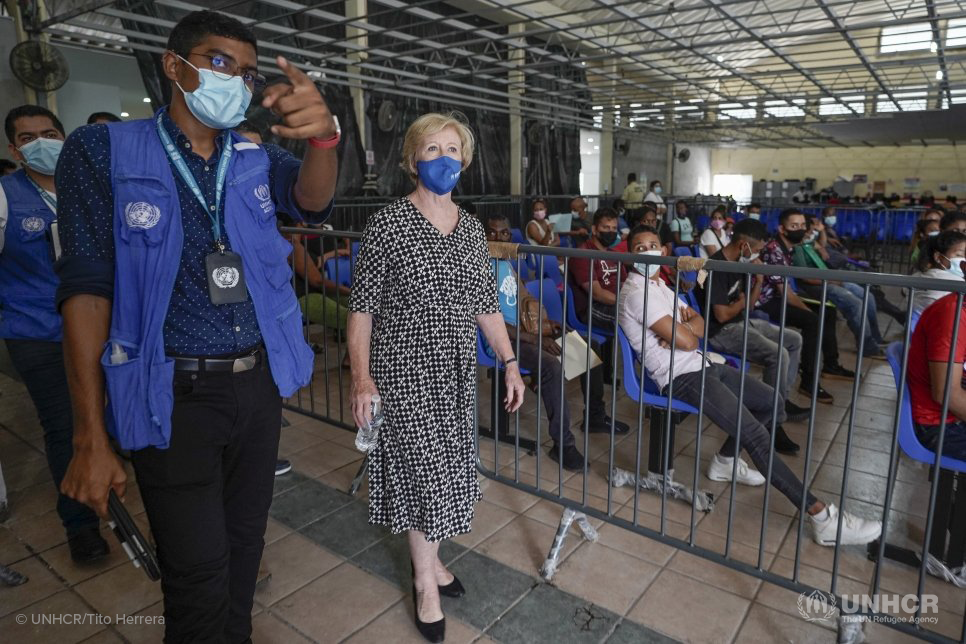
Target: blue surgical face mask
[
  {"x": 219, "y": 103},
  {"x": 955, "y": 266},
  {"x": 439, "y": 175},
  {"x": 648, "y": 270},
  {"x": 42, "y": 154},
  {"x": 830, "y": 221},
  {"x": 754, "y": 215},
  {"x": 657, "y": 190}
]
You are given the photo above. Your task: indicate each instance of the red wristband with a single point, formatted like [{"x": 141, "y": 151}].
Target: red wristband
[{"x": 325, "y": 144}]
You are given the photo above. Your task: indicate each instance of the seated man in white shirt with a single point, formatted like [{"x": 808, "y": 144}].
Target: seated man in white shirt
[{"x": 650, "y": 334}]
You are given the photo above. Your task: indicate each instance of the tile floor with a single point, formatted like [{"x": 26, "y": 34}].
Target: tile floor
[{"x": 328, "y": 576}]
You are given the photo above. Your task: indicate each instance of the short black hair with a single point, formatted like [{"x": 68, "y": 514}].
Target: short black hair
[
  {"x": 753, "y": 205},
  {"x": 195, "y": 26},
  {"x": 110, "y": 117},
  {"x": 6, "y": 164},
  {"x": 619, "y": 203},
  {"x": 749, "y": 229},
  {"x": 940, "y": 243},
  {"x": 719, "y": 209},
  {"x": 26, "y": 111},
  {"x": 648, "y": 209},
  {"x": 951, "y": 198},
  {"x": 631, "y": 177},
  {"x": 826, "y": 210},
  {"x": 248, "y": 126},
  {"x": 640, "y": 229},
  {"x": 951, "y": 218},
  {"x": 787, "y": 214},
  {"x": 494, "y": 216},
  {"x": 654, "y": 183},
  {"x": 604, "y": 213}
]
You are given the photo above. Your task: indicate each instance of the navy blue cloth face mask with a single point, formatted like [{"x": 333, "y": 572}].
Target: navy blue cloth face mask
[{"x": 440, "y": 175}]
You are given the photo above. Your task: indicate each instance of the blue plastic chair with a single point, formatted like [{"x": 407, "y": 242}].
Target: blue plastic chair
[
  {"x": 632, "y": 383},
  {"x": 574, "y": 322},
  {"x": 342, "y": 266},
  {"x": 908, "y": 440},
  {"x": 516, "y": 236},
  {"x": 683, "y": 251},
  {"x": 550, "y": 300},
  {"x": 484, "y": 359}
]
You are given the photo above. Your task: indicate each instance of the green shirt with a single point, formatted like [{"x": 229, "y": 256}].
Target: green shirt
[{"x": 806, "y": 255}]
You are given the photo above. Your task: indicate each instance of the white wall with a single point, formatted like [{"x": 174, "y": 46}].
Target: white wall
[
  {"x": 694, "y": 175},
  {"x": 647, "y": 159}
]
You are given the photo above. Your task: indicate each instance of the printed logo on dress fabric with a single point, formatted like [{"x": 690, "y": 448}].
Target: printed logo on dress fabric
[
  {"x": 33, "y": 224},
  {"x": 225, "y": 277},
  {"x": 141, "y": 214}
]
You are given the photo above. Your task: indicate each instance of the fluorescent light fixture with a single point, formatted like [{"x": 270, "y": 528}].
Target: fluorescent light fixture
[
  {"x": 590, "y": 140},
  {"x": 125, "y": 114},
  {"x": 635, "y": 104},
  {"x": 939, "y": 74},
  {"x": 146, "y": 99},
  {"x": 719, "y": 58}
]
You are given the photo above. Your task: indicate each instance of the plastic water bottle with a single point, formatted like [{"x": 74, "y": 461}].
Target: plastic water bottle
[{"x": 367, "y": 437}]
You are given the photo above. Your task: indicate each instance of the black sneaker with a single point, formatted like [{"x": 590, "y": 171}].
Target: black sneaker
[
  {"x": 784, "y": 444},
  {"x": 795, "y": 413},
  {"x": 282, "y": 467},
  {"x": 837, "y": 371},
  {"x": 601, "y": 425},
  {"x": 573, "y": 460},
  {"x": 823, "y": 396},
  {"x": 87, "y": 545}
]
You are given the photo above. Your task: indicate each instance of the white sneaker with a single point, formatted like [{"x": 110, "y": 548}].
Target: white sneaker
[
  {"x": 721, "y": 466},
  {"x": 855, "y": 530}
]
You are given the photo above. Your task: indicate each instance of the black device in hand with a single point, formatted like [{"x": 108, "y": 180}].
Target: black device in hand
[{"x": 133, "y": 542}]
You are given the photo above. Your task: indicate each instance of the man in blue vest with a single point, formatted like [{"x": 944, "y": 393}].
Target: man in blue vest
[
  {"x": 29, "y": 322},
  {"x": 177, "y": 303}
]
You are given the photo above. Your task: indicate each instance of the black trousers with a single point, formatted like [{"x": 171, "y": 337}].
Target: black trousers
[
  {"x": 41, "y": 365},
  {"x": 808, "y": 322},
  {"x": 207, "y": 498}
]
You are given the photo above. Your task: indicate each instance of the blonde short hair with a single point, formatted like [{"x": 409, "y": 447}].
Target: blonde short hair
[{"x": 429, "y": 124}]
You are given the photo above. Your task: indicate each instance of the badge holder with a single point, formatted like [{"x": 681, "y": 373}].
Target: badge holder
[{"x": 226, "y": 277}]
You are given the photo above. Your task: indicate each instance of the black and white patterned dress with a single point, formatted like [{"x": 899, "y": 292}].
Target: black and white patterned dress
[{"x": 423, "y": 290}]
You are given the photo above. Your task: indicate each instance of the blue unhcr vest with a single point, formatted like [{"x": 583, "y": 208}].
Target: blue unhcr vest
[
  {"x": 28, "y": 285},
  {"x": 148, "y": 238}
]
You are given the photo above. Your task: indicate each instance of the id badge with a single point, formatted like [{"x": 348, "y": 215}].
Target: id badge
[{"x": 226, "y": 278}]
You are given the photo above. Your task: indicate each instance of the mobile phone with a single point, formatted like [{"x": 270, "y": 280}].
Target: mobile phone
[
  {"x": 135, "y": 545},
  {"x": 53, "y": 238}
]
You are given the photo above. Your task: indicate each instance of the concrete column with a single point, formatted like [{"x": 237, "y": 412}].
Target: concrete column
[
  {"x": 607, "y": 138},
  {"x": 517, "y": 56},
  {"x": 359, "y": 37}
]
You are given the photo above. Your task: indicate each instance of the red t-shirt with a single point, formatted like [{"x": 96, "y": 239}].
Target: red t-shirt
[
  {"x": 931, "y": 342},
  {"x": 605, "y": 272}
]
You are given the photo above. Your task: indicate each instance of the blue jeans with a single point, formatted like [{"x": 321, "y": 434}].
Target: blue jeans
[
  {"x": 954, "y": 443},
  {"x": 41, "y": 366},
  {"x": 847, "y": 298}
]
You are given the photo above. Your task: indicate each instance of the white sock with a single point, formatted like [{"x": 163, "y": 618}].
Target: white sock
[{"x": 822, "y": 515}]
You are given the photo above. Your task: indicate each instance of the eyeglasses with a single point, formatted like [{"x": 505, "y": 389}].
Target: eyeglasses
[{"x": 225, "y": 68}]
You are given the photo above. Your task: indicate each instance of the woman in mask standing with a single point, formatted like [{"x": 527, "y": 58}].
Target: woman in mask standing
[
  {"x": 654, "y": 195},
  {"x": 422, "y": 286},
  {"x": 540, "y": 230}
]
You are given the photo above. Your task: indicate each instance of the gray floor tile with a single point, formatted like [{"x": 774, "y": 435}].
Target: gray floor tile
[
  {"x": 554, "y": 616},
  {"x": 288, "y": 481},
  {"x": 389, "y": 558},
  {"x": 306, "y": 503},
  {"x": 491, "y": 588},
  {"x": 629, "y": 632},
  {"x": 347, "y": 531}
]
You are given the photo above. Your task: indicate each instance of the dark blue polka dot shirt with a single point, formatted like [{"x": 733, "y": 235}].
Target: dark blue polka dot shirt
[{"x": 85, "y": 199}]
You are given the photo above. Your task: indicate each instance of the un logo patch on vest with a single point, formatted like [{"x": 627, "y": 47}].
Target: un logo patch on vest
[
  {"x": 264, "y": 196},
  {"x": 32, "y": 224},
  {"x": 225, "y": 277},
  {"x": 141, "y": 214}
]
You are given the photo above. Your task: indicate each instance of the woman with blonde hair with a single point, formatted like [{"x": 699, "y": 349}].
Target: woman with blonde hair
[{"x": 421, "y": 287}]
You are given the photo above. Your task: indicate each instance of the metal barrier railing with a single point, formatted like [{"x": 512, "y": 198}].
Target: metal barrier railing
[{"x": 511, "y": 462}]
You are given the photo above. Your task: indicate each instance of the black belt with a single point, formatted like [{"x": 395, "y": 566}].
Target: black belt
[{"x": 234, "y": 365}]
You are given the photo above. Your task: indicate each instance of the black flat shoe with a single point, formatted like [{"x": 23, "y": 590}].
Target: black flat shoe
[
  {"x": 87, "y": 546},
  {"x": 783, "y": 443},
  {"x": 432, "y": 631},
  {"x": 453, "y": 589}
]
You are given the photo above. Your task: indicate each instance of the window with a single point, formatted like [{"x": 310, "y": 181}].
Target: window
[
  {"x": 958, "y": 96},
  {"x": 908, "y": 101},
  {"x": 738, "y": 111},
  {"x": 956, "y": 33},
  {"x": 914, "y": 37},
  {"x": 736, "y": 185},
  {"x": 784, "y": 109},
  {"x": 829, "y": 106}
]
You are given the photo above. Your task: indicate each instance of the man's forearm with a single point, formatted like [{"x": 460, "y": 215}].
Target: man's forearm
[
  {"x": 316, "y": 183},
  {"x": 87, "y": 320}
]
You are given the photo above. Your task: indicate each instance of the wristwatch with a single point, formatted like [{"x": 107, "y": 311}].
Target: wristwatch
[{"x": 331, "y": 142}]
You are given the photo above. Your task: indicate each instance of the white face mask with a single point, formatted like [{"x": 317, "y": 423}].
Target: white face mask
[
  {"x": 747, "y": 260},
  {"x": 648, "y": 270},
  {"x": 754, "y": 215}
]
